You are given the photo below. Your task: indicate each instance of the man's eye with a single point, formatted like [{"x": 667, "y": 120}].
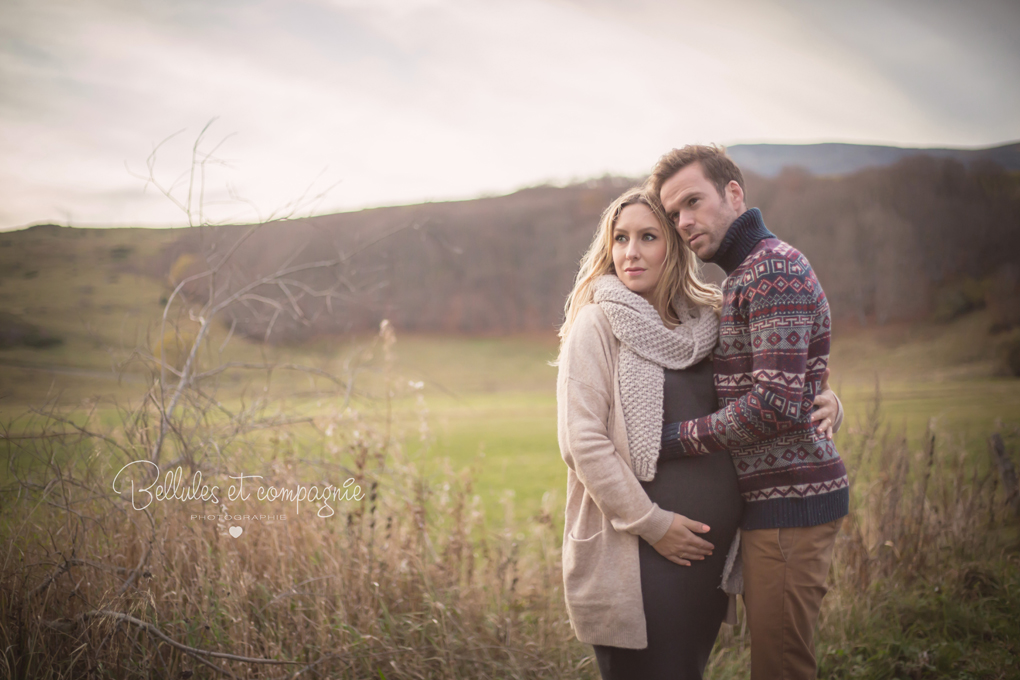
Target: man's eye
[
  {"x": 674, "y": 217},
  {"x": 692, "y": 201}
]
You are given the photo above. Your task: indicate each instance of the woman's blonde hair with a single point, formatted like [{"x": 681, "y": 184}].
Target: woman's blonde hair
[{"x": 681, "y": 273}]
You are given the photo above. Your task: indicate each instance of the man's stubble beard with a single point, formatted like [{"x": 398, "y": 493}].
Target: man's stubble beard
[{"x": 720, "y": 227}]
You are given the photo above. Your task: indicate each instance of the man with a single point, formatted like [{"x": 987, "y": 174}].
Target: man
[{"x": 769, "y": 364}]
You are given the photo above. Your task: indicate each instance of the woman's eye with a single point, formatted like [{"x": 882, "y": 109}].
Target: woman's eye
[
  {"x": 649, "y": 237},
  {"x": 620, "y": 238}
]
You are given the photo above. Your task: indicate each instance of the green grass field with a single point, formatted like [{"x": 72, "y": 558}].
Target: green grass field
[
  {"x": 490, "y": 401},
  {"x": 485, "y": 407}
]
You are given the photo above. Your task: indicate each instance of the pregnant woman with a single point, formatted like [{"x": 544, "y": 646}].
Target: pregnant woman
[{"x": 649, "y": 542}]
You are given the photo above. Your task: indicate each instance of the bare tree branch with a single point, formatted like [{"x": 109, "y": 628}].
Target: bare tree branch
[{"x": 156, "y": 632}]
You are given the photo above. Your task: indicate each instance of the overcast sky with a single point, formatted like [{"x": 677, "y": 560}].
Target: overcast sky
[{"x": 400, "y": 101}]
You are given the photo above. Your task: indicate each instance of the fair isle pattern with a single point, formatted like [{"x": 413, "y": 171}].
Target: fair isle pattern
[
  {"x": 646, "y": 346},
  {"x": 781, "y": 451},
  {"x": 773, "y": 348},
  {"x": 798, "y": 490}
]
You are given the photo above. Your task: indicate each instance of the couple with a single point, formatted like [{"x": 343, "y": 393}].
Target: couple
[{"x": 698, "y": 468}]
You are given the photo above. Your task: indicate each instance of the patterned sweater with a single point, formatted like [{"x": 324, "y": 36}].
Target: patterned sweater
[{"x": 773, "y": 348}]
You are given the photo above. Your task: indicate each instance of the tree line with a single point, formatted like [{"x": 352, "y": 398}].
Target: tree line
[{"x": 890, "y": 243}]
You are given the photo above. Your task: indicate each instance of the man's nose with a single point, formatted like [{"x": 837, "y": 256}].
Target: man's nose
[{"x": 684, "y": 222}]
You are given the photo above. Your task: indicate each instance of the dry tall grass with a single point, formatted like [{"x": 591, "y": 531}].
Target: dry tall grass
[
  {"x": 929, "y": 548},
  {"x": 406, "y": 580},
  {"x": 409, "y": 581}
]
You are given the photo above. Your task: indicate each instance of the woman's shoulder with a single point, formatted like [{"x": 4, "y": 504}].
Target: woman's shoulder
[
  {"x": 590, "y": 322},
  {"x": 588, "y": 354},
  {"x": 591, "y": 315},
  {"x": 591, "y": 336}
]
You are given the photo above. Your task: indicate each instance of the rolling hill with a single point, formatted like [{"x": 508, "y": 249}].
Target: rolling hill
[
  {"x": 841, "y": 159},
  {"x": 888, "y": 243}
]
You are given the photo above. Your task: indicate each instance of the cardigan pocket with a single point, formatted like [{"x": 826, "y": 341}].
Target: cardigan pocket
[
  {"x": 571, "y": 537},
  {"x": 581, "y": 558},
  {"x": 581, "y": 533},
  {"x": 589, "y": 522},
  {"x": 583, "y": 548}
]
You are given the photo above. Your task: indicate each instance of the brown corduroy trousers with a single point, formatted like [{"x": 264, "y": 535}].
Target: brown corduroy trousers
[{"x": 784, "y": 583}]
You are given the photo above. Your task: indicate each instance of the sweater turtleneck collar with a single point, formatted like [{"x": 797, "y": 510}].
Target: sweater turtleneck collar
[{"x": 742, "y": 236}]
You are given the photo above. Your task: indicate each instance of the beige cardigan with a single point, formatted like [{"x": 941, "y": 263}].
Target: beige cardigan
[{"x": 607, "y": 508}]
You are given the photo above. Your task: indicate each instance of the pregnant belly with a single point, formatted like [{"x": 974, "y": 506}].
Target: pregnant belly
[{"x": 702, "y": 488}]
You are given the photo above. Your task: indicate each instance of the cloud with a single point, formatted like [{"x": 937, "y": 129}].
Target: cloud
[{"x": 431, "y": 99}]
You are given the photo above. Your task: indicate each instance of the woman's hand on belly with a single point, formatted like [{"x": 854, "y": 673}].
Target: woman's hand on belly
[{"x": 681, "y": 545}]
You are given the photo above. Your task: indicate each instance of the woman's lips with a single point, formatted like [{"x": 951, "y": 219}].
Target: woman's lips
[{"x": 634, "y": 271}]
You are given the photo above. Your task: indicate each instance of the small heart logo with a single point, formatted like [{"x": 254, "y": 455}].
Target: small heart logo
[{"x": 235, "y": 531}]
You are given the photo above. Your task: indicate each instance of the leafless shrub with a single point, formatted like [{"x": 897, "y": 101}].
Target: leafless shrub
[{"x": 406, "y": 580}]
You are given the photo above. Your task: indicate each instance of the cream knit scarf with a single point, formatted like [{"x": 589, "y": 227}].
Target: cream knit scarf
[{"x": 646, "y": 348}]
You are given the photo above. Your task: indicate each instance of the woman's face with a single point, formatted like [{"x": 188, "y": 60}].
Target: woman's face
[{"x": 639, "y": 249}]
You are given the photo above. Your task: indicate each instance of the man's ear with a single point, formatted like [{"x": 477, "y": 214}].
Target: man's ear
[{"x": 735, "y": 195}]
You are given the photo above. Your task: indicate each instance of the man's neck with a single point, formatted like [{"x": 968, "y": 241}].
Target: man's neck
[{"x": 740, "y": 239}]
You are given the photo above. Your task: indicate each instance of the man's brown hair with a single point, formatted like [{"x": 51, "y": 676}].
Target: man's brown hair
[{"x": 719, "y": 169}]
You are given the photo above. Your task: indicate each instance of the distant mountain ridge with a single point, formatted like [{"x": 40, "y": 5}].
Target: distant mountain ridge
[{"x": 768, "y": 160}]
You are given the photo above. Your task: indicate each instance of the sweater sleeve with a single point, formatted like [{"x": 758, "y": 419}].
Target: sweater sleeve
[
  {"x": 585, "y": 394},
  {"x": 780, "y": 314}
]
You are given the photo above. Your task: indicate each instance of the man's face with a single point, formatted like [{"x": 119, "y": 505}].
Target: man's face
[{"x": 700, "y": 214}]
